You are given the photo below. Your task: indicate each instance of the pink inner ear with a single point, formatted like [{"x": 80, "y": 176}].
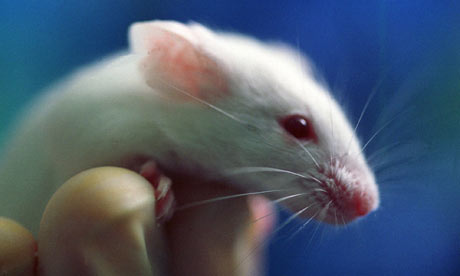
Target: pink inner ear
[{"x": 175, "y": 64}]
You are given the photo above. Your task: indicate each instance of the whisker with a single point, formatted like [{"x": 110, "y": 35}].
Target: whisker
[
  {"x": 320, "y": 190},
  {"x": 262, "y": 217},
  {"x": 384, "y": 166},
  {"x": 289, "y": 197},
  {"x": 315, "y": 179},
  {"x": 335, "y": 217},
  {"x": 291, "y": 218},
  {"x": 308, "y": 152},
  {"x": 366, "y": 105},
  {"x": 332, "y": 124},
  {"x": 396, "y": 177},
  {"x": 383, "y": 149},
  {"x": 302, "y": 226},
  {"x": 304, "y": 158},
  {"x": 313, "y": 235},
  {"x": 223, "y": 112},
  {"x": 277, "y": 201},
  {"x": 206, "y": 201},
  {"x": 322, "y": 214},
  {"x": 381, "y": 128},
  {"x": 266, "y": 169},
  {"x": 325, "y": 209},
  {"x": 343, "y": 221}
]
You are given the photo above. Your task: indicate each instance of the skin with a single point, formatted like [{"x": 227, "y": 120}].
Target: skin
[{"x": 102, "y": 222}]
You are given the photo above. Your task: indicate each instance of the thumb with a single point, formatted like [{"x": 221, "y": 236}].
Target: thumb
[{"x": 100, "y": 222}]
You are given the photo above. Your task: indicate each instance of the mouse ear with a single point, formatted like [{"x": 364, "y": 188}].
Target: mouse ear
[{"x": 174, "y": 63}]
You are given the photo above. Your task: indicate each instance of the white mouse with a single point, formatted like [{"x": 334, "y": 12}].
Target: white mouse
[{"x": 196, "y": 101}]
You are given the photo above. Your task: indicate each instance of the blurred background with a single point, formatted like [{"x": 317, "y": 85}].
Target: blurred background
[{"x": 406, "y": 51}]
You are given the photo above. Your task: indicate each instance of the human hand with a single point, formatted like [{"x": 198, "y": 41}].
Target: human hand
[{"x": 102, "y": 222}]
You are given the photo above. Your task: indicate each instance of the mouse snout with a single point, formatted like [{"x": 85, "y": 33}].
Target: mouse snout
[{"x": 349, "y": 192}]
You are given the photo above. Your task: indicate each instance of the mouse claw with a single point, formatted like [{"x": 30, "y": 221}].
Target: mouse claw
[{"x": 165, "y": 203}]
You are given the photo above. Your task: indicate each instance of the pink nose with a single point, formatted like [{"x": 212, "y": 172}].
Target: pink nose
[{"x": 362, "y": 204}]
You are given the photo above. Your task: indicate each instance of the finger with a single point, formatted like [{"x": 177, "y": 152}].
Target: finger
[
  {"x": 263, "y": 215},
  {"x": 220, "y": 238},
  {"x": 262, "y": 221},
  {"x": 100, "y": 222},
  {"x": 17, "y": 249}
]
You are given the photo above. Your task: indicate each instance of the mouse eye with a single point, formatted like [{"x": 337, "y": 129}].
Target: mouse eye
[{"x": 299, "y": 127}]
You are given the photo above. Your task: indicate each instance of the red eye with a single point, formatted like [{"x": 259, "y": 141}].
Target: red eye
[{"x": 299, "y": 127}]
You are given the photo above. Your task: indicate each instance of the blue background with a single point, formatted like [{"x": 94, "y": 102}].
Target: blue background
[{"x": 409, "y": 51}]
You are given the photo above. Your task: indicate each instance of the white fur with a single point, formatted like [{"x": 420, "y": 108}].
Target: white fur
[{"x": 107, "y": 111}]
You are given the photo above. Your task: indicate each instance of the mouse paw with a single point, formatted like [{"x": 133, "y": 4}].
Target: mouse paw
[
  {"x": 164, "y": 206},
  {"x": 163, "y": 194},
  {"x": 146, "y": 167}
]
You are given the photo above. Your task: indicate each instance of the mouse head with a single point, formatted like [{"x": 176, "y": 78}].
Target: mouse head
[{"x": 253, "y": 112}]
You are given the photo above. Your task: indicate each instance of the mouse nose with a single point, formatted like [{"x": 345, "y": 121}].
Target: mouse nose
[{"x": 362, "y": 204}]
